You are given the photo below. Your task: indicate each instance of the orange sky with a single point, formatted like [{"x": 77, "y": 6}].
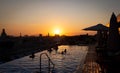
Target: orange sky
[{"x": 36, "y": 17}]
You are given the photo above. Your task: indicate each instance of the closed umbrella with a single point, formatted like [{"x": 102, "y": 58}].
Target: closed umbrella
[{"x": 114, "y": 37}]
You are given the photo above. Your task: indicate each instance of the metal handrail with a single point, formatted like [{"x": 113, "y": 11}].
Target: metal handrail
[{"x": 49, "y": 61}]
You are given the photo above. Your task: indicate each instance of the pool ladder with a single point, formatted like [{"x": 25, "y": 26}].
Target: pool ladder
[{"x": 49, "y": 63}]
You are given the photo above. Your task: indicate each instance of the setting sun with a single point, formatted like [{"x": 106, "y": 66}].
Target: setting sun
[{"x": 56, "y": 31}]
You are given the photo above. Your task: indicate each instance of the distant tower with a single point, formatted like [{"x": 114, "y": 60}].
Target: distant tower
[
  {"x": 3, "y": 34},
  {"x": 20, "y": 35},
  {"x": 48, "y": 34}
]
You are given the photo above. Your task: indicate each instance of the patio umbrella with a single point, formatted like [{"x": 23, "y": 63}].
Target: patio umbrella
[
  {"x": 101, "y": 33},
  {"x": 98, "y": 27}
]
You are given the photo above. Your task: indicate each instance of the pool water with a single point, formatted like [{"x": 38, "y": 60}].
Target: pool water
[{"x": 65, "y": 62}]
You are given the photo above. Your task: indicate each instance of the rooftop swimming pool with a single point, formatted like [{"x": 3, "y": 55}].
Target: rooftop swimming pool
[{"x": 65, "y": 62}]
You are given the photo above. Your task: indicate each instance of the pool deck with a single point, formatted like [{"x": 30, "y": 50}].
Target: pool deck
[{"x": 90, "y": 65}]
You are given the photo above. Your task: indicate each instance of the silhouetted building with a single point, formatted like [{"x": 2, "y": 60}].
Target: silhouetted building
[
  {"x": 3, "y": 34},
  {"x": 40, "y": 35},
  {"x": 48, "y": 34},
  {"x": 20, "y": 35}
]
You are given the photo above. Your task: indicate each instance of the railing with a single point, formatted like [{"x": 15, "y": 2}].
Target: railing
[{"x": 49, "y": 62}]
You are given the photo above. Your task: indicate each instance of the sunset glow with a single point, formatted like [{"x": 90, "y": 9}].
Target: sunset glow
[
  {"x": 36, "y": 17},
  {"x": 57, "y": 31}
]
